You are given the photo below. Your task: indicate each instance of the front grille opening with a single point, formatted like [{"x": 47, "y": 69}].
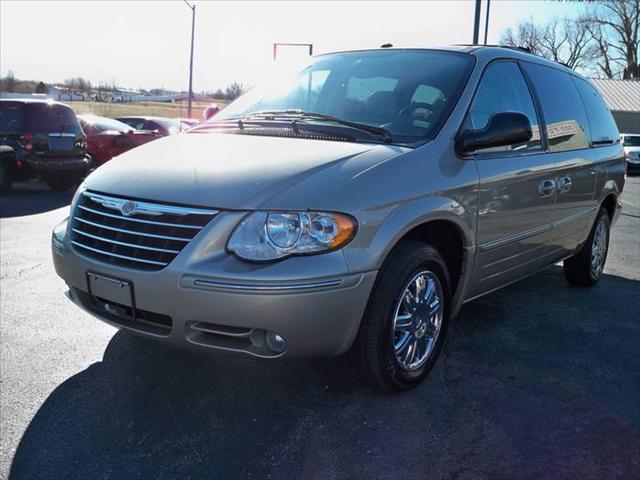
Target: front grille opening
[{"x": 144, "y": 241}]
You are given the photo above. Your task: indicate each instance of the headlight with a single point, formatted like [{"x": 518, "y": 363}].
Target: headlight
[{"x": 264, "y": 236}]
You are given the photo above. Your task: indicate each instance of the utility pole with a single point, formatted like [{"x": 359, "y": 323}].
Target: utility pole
[
  {"x": 476, "y": 24},
  {"x": 193, "y": 29},
  {"x": 486, "y": 23}
]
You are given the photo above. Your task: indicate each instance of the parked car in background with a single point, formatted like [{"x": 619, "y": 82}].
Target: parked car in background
[
  {"x": 357, "y": 205},
  {"x": 166, "y": 126},
  {"x": 41, "y": 139},
  {"x": 108, "y": 138},
  {"x": 631, "y": 144}
]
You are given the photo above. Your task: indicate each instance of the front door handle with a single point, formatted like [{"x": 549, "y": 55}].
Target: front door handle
[
  {"x": 564, "y": 184},
  {"x": 546, "y": 188}
]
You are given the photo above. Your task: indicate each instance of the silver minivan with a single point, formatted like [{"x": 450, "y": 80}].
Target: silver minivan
[{"x": 354, "y": 205}]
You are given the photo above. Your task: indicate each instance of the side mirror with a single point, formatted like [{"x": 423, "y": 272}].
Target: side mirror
[
  {"x": 210, "y": 112},
  {"x": 505, "y": 128}
]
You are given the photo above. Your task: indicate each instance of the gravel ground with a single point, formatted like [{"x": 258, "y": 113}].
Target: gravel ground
[{"x": 539, "y": 380}]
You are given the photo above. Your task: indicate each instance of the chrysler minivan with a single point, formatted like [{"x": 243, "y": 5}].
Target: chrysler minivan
[{"x": 354, "y": 205}]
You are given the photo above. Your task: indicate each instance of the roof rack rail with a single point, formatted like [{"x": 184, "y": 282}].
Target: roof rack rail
[{"x": 514, "y": 47}]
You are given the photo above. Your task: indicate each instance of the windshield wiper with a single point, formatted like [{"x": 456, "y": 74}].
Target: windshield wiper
[{"x": 370, "y": 129}]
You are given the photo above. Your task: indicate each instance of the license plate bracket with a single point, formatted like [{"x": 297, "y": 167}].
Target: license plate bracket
[{"x": 107, "y": 291}]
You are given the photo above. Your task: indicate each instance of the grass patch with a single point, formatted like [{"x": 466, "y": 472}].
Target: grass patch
[{"x": 156, "y": 109}]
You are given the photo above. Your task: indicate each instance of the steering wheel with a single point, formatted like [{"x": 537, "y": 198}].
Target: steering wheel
[{"x": 415, "y": 106}]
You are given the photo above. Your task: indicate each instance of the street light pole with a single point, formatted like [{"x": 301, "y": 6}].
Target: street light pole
[
  {"x": 476, "y": 24},
  {"x": 486, "y": 23},
  {"x": 193, "y": 29}
]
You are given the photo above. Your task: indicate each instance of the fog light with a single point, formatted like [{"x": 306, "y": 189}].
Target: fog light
[{"x": 275, "y": 342}]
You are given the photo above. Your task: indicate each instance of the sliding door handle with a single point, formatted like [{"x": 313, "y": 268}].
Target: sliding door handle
[
  {"x": 564, "y": 184},
  {"x": 546, "y": 188}
]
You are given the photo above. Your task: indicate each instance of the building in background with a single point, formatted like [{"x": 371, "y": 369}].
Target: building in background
[{"x": 623, "y": 99}]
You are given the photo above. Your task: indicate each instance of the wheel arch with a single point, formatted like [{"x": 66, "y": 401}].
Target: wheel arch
[
  {"x": 446, "y": 225},
  {"x": 610, "y": 203}
]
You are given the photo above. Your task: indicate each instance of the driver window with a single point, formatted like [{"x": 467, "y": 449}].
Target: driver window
[{"x": 503, "y": 89}]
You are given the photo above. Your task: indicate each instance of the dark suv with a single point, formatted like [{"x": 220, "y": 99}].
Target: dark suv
[{"x": 41, "y": 139}]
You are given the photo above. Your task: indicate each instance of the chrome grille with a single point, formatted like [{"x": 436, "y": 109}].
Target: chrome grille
[{"x": 132, "y": 233}]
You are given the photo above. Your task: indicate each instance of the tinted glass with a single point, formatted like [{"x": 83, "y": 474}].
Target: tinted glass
[
  {"x": 11, "y": 117},
  {"x": 132, "y": 122},
  {"x": 603, "y": 127},
  {"x": 631, "y": 141},
  {"x": 371, "y": 87},
  {"x": 46, "y": 117},
  {"x": 562, "y": 107},
  {"x": 504, "y": 89}
]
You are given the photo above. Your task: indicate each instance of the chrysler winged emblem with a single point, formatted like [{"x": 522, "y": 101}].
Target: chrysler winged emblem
[{"x": 128, "y": 208}]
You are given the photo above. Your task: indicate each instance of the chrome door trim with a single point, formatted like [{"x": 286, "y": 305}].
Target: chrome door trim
[
  {"x": 501, "y": 242},
  {"x": 575, "y": 216}
]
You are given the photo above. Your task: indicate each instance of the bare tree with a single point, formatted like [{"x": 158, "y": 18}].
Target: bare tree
[
  {"x": 602, "y": 62},
  {"x": 9, "y": 82},
  {"x": 568, "y": 42},
  {"x": 616, "y": 25},
  {"x": 526, "y": 35},
  {"x": 562, "y": 40}
]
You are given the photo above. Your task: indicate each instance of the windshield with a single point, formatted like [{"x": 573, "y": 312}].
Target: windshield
[
  {"x": 407, "y": 92},
  {"x": 631, "y": 141}
]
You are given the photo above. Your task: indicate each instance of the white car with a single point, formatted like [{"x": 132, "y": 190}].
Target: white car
[{"x": 631, "y": 144}]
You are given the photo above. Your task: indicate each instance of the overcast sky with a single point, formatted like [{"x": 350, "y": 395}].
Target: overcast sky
[{"x": 146, "y": 44}]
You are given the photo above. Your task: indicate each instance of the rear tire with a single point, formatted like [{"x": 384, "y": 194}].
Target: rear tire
[
  {"x": 6, "y": 180},
  {"x": 585, "y": 267},
  {"x": 413, "y": 272},
  {"x": 61, "y": 184}
]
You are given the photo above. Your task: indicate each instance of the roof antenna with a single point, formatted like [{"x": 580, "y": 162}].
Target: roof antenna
[{"x": 386, "y": 45}]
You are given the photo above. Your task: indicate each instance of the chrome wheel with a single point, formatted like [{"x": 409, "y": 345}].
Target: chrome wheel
[
  {"x": 417, "y": 320},
  {"x": 599, "y": 248}
]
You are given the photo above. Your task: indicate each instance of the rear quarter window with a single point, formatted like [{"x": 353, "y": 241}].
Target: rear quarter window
[
  {"x": 603, "y": 127},
  {"x": 562, "y": 108}
]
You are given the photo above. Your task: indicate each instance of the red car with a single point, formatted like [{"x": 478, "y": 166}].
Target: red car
[{"x": 108, "y": 138}]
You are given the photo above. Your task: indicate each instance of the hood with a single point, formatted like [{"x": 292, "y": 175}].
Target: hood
[{"x": 230, "y": 171}]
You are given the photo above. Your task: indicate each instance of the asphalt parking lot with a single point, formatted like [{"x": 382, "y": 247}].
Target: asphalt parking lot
[{"x": 539, "y": 380}]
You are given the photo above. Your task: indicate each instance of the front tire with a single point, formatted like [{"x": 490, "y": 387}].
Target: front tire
[
  {"x": 585, "y": 267},
  {"x": 406, "y": 319},
  {"x": 61, "y": 184}
]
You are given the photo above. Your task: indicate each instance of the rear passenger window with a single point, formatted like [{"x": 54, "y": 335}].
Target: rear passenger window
[
  {"x": 562, "y": 107},
  {"x": 504, "y": 89},
  {"x": 603, "y": 127}
]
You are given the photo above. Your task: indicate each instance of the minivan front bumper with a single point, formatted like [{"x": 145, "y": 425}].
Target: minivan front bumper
[{"x": 316, "y": 315}]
